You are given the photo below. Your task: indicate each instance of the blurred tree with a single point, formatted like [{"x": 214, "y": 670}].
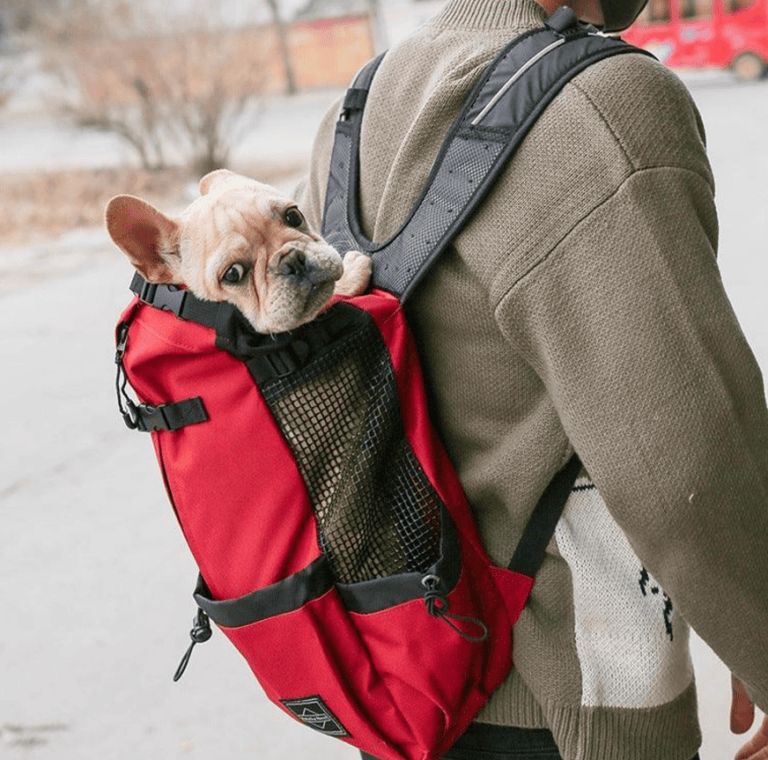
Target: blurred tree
[
  {"x": 173, "y": 88},
  {"x": 8, "y": 70},
  {"x": 22, "y": 15},
  {"x": 380, "y": 42},
  {"x": 281, "y": 28}
]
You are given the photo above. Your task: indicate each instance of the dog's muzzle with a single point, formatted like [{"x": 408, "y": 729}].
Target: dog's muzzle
[{"x": 302, "y": 272}]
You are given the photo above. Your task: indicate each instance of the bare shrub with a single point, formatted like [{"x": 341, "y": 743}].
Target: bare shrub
[
  {"x": 174, "y": 89},
  {"x": 8, "y": 79}
]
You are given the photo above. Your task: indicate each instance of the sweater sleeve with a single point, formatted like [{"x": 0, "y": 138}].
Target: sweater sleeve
[{"x": 627, "y": 324}]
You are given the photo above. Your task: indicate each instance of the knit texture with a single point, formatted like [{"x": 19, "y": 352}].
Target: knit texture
[
  {"x": 582, "y": 308},
  {"x": 637, "y": 656}
]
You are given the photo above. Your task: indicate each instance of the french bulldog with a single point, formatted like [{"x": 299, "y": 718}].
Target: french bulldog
[{"x": 241, "y": 242}]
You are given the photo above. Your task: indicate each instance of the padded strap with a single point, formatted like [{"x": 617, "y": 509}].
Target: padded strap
[{"x": 513, "y": 91}]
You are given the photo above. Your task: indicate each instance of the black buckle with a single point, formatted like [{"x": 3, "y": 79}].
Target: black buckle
[
  {"x": 129, "y": 412},
  {"x": 168, "y": 297},
  {"x": 122, "y": 340},
  {"x": 151, "y": 418}
]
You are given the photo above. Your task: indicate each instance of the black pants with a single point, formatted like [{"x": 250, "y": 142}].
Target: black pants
[{"x": 483, "y": 741}]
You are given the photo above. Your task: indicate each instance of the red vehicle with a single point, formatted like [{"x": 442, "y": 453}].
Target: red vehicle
[{"x": 706, "y": 33}]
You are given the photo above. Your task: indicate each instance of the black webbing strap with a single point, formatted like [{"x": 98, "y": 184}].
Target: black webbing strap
[
  {"x": 541, "y": 525},
  {"x": 357, "y": 94},
  {"x": 185, "y": 305},
  {"x": 176, "y": 415},
  {"x": 513, "y": 91},
  {"x": 267, "y": 357},
  {"x": 150, "y": 419}
]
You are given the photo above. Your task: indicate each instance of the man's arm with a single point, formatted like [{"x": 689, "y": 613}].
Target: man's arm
[{"x": 628, "y": 326}]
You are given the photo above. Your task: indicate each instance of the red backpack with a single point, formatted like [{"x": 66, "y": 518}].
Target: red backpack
[{"x": 336, "y": 547}]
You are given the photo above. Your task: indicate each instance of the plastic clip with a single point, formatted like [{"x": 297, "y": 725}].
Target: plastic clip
[{"x": 200, "y": 633}]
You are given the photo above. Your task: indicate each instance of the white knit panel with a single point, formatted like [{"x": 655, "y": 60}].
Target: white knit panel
[{"x": 632, "y": 645}]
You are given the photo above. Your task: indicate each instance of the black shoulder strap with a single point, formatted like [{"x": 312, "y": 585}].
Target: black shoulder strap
[
  {"x": 543, "y": 521},
  {"x": 513, "y": 91}
]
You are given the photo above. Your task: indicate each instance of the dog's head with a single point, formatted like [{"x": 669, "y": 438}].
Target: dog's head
[{"x": 241, "y": 242}]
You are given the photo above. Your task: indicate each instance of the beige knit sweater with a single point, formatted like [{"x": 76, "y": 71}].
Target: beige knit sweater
[{"x": 582, "y": 308}]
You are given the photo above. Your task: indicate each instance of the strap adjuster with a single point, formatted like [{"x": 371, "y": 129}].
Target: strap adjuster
[
  {"x": 168, "y": 297},
  {"x": 151, "y": 418},
  {"x": 353, "y": 101},
  {"x": 148, "y": 418},
  {"x": 280, "y": 363}
]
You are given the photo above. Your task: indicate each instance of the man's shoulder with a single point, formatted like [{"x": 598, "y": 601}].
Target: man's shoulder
[{"x": 647, "y": 108}]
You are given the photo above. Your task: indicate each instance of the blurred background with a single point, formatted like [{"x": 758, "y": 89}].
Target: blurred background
[{"x": 99, "y": 97}]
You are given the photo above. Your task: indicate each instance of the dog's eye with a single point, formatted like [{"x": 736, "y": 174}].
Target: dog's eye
[
  {"x": 234, "y": 274},
  {"x": 293, "y": 217}
]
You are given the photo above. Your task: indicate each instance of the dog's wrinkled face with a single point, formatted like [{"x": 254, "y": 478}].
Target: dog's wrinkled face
[
  {"x": 240, "y": 242},
  {"x": 243, "y": 243}
]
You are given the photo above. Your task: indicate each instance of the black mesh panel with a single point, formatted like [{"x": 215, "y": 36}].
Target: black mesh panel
[{"x": 377, "y": 513}]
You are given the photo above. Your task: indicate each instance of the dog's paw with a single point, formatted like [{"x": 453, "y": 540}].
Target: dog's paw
[{"x": 357, "y": 273}]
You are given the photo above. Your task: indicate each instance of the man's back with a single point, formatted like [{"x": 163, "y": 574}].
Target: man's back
[{"x": 581, "y": 308}]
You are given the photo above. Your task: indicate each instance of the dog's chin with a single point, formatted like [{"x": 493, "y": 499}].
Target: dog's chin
[{"x": 318, "y": 299}]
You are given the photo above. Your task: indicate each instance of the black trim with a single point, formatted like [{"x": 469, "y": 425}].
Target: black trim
[
  {"x": 358, "y": 92},
  {"x": 224, "y": 318},
  {"x": 267, "y": 356},
  {"x": 541, "y": 525},
  {"x": 273, "y": 357},
  {"x": 148, "y": 418},
  {"x": 284, "y": 596},
  {"x": 355, "y": 100},
  {"x": 381, "y": 593},
  {"x": 316, "y": 579}
]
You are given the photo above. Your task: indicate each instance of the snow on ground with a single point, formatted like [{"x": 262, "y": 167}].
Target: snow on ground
[{"x": 96, "y": 599}]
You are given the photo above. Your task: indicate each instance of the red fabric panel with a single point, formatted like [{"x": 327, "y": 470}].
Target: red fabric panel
[
  {"x": 242, "y": 505},
  {"x": 399, "y": 673}
]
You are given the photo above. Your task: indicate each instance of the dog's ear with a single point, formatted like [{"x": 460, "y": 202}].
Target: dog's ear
[
  {"x": 149, "y": 238},
  {"x": 218, "y": 178}
]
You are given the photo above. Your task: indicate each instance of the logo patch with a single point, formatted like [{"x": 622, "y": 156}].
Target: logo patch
[{"x": 313, "y": 712}]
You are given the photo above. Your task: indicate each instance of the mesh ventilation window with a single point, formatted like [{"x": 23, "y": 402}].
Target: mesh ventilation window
[{"x": 377, "y": 513}]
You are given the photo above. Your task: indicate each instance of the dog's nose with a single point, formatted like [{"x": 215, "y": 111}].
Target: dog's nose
[
  {"x": 293, "y": 264},
  {"x": 302, "y": 271}
]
